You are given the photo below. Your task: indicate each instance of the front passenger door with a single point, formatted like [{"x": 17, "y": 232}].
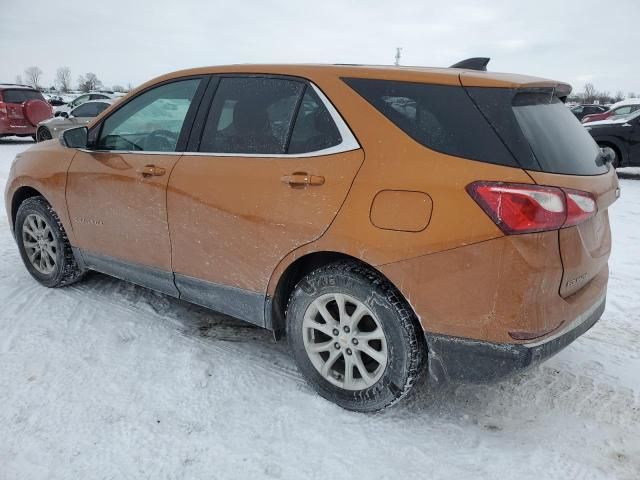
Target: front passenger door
[{"x": 116, "y": 189}]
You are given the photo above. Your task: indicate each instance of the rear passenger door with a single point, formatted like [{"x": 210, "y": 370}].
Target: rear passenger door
[{"x": 267, "y": 173}]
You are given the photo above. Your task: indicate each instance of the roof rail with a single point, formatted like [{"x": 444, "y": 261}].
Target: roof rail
[
  {"x": 15, "y": 84},
  {"x": 475, "y": 63}
]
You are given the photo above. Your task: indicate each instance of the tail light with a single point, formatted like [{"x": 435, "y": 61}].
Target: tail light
[
  {"x": 581, "y": 206},
  {"x": 3, "y": 109},
  {"x": 521, "y": 208}
]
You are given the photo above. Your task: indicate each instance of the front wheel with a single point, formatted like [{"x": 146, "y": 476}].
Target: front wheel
[
  {"x": 43, "y": 244},
  {"x": 354, "y": 338}
]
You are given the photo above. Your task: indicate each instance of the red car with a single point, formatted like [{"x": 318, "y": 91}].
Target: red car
[
  {"x": 21, "y": 109},
  {"x": 620, "y": 108}
]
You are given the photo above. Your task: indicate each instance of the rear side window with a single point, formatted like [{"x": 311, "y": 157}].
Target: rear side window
[
  {"x": 314, "y": 129},
  {"x": 251, "y": 115},
  {"x": 20, "y": 95},
  {"x": 440, "y": 117}
]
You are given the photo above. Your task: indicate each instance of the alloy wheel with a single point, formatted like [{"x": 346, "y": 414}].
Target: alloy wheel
[
  {"x": 39, "y": 243},
  {"x": 344, "y": 341}
]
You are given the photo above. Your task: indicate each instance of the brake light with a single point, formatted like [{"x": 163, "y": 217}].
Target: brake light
[
  {"x": 581, "y": 206},
  {"x": 522, "y": 208},
  {"x": 3, "y": 109}
]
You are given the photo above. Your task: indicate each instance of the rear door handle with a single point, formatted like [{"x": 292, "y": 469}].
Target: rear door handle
[
  {"x": 302, "y": 179},
  {"x": 151, "y": 171}
]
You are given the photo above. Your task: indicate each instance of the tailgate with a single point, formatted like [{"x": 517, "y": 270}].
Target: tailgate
[{"x": 584, "y": 248}]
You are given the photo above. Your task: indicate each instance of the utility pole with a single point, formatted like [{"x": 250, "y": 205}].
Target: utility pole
[{"x": 398, "y": 53}]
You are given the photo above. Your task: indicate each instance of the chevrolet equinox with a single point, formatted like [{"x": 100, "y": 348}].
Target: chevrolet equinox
[{"x": 388, "y": 221}]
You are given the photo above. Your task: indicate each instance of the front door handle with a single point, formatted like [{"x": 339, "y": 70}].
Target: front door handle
[
  {"x": 151, "y": 171},
  {"x": 302, "y": 179}
]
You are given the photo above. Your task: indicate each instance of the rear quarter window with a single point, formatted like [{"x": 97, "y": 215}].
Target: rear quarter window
[
  {"x": 20, "y": 95},
  {"x": 439, "y": 117}
]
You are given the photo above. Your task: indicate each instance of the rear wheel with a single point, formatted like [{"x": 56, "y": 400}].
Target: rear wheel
[
  {"x": 44, "y": 246},
  {"x": 42, "y": 135},
  {"x": 354, "y": 338}
]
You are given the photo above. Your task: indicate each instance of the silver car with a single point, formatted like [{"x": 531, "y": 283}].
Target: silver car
[
  {"x": 79, "y": 116},
  {"x": 85, "y": 97}
]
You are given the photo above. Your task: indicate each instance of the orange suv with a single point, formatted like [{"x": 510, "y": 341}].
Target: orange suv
[{"x": 388, "y": 221}]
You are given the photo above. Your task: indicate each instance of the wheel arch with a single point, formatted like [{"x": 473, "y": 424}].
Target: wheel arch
[
  {"x": 276, "y": 304},
  {"x": 19, "y": 196}
]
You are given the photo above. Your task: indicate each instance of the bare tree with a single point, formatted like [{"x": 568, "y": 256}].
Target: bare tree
[
  {"x": 589, "y": 94},
  {"x": 33, "y": 75},
  {"x": 603, "y": 97},
  {"x": 118, "y": 88},
  {"x": 619, "y": 96},
  {"x": 631, "y": 95},
  {"x": 88, "y": 82},
  {"x": 63, "y": 79}
]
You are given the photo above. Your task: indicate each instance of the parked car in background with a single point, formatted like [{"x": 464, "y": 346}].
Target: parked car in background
[
  {"x": 581, "y": 110},
  {"x": 388, "y": 221},
  {"x": 624, "y": 107},
  {"x": 85, "y": 97},
  {"x": 79, "y": 116},
  {"x": 22, "y": 108},
  {"x": 55, "y": 100},
  {"x": 622, "y": 135}
]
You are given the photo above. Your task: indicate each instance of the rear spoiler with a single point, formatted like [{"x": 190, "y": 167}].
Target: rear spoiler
[{"x": 475, "y": 63}]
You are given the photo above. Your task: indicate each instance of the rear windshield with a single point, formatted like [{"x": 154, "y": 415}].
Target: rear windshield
[
  {"x": 558, "y": 141},
  {"x": 440, "y": 117},
  {"x": 20, "y": 95},
  {"x": 540, "y": 130}
]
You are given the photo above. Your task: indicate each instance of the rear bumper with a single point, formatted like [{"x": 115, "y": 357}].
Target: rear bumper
[
  {"x": 454, "y": 359},
  {"x": 8, "y": 127}
]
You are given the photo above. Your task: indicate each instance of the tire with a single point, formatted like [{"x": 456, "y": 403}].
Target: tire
[
  {"x": 388, "y": 330},
  {"x": 42, "y": 135},
  {"x": 44, "y": 246}
]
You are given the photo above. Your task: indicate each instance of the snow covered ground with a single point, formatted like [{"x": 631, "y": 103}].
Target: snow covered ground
[{"x": 107, "y": 380}]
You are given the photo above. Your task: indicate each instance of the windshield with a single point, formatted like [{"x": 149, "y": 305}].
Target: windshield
[{"x": 21, "y": 95}]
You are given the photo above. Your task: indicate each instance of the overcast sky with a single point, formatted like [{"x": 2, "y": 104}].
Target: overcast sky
[{"x": 126, "y": 41}]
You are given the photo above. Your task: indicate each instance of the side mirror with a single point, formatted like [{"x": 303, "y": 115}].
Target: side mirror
[
  {"x": 64, "y": 115},
  {"x": 608, "y": 155},
  {"x": 75, "y": 137}
]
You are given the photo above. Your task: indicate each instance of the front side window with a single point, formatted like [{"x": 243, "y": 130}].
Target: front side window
[
  {"x": 89, "y": 109},
  {"x": 251, "y": 115},
  {"x": 152, "y": 121}
]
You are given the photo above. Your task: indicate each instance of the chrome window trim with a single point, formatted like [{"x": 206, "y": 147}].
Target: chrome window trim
[{"x": 348, "y": 143}]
